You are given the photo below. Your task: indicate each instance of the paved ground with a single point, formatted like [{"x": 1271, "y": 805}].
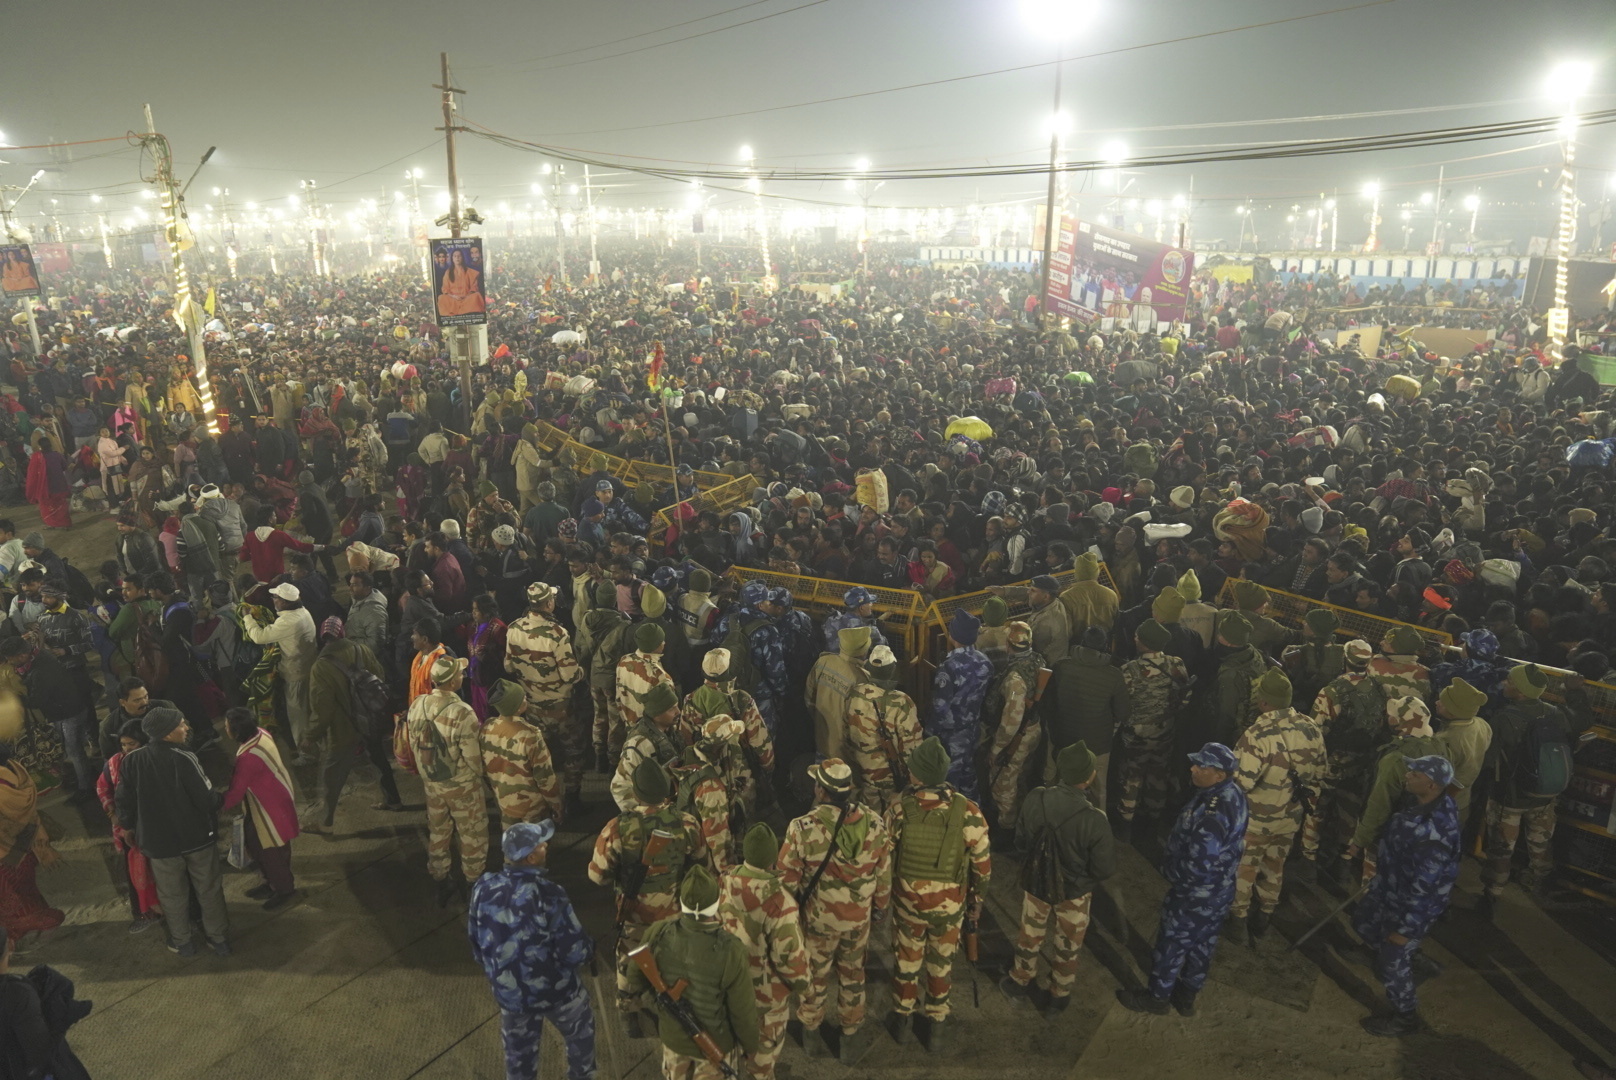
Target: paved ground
[{"x": 367, "y": 977}]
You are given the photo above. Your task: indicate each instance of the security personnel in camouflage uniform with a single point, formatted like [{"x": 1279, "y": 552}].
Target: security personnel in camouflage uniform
[
  {"x": 1200, "y": 863},
  {"x": 1410, "y": 721},
  {"x": 830, "y": 683},
  {"x": 1280, "y": 760},
  {"x": 676, "y": 656},
  {"x": 851, "y": 842},
  {"x": 1157, "y": 684},
  {"x": 858, "y": 610},
  {"x": 450, "y": 762},
  {"x": 1251, "y": 600},
  {"x": 517, "y": 761},
  {"x": 758, "y": 909},
  {"x": 529, "y": 941},
  {"x": 1232, "y": 706},
  {"x": 941, "y": 863},
  {"x": 658, "y": 737},
  {"x": 883, "y": 726},
  {"x": 1351, "y": 713},
  {"x": 766, "y": 649},
  {"x": 639, "y": 671},
  {"x": 1315, "y": 663},
  {"x": 599, "y": 624},
  {"x": 621, "y": 849},
  {"x": 1012, "y": 740},
  {"x": 538, "y": 651},
  {"x": 1418, "y": 862},
  {"x": 1398, "y": 669},
  {"x": 709, "y": 770},
  {"x": 719, "y": 696},
  {"x": 693, "y": 946}
]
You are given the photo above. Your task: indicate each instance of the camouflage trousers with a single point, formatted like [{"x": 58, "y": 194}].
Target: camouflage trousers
[
  {"x": 774, "y": 1009},
  {"x": 676, "y": 1066},
  {"x": 565, "y": 735},
  {"x": 1339, "y": 807},
  {"x": 1262, "y": 865},
  {"x": 1142, "y": 778},
  {"x": 925, "y": 933},
  {"x": 1005, "y": 780},
  {"x": 451, "y": 810},
  {"x": 628, "y": 999},
  {"x": 844, "y": 949},
  {"x": 608, "y": 728},
  {"x": 1071, "y": 919},
  {"x": 1187, "y": 934},
  {"x": 574, "y": 1021},
  {"x": 1504, "y": 825}
]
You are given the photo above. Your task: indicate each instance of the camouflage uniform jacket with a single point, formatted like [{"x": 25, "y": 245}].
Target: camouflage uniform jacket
[
  {"x": 460, "y": 730},
  {"x": 1402, "y": 676},
  {"x": 705, "y": 793},
  {"x": 645, "y": 740},
  {"x": 756, "y": 745},
  {"x": 756, "y": 907},
  {"x": 1156, "y": 685},
  {"x": 659, "y": 897},
  {"x": 1281, "y": 751},
  {"x": 520, "y": 771},
  {"x": 974, "y": 833},
  {"x": 538, "y": 651},
  {"x": 637, "y": 673},
  {"x": 857, "y": 878},
  {"x": 883, "y": 726}
]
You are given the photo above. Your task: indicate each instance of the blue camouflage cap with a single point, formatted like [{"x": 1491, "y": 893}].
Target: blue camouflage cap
[
  {"x": 1214, "y": 755},
  {"x": 520, "y": 839},
  {"x": 1435, "y": 766},
  {"x": 781, "y": 596},
  {"x": 665, "y": 578},
  {"x": 753, "y": 593},
  {"x": 857, "y": 597},
  {"x": 603, "y": 485}
]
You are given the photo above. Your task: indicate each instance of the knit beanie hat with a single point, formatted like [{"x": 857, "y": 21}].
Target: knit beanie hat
[
  {"x": 158, "y": 722},
  {"x": 1405, "y": 641},
  {"x": 1528, "y": 680},
  {"x": 853, "y": 641},
  {"x": 650, "y": 781},
  {"x": 1168, "y": 607},
  {"x": 963, "y": 627},
  {"x": 1075, "y": 763},
  {"x": 1322, "y": 623},
  {"x": 701, "y": 581},
  {"x": 485, "y": 488},
  {"x": 1189, "y": 587},
  {"x": 659, "y": 699},
  {"x": 761, "y": 847},
  {"x": 995, "y": 612},
  {"x": 507, "y": 697},
  {"x": 1249, "y": 595},
  {"x": 1086, "y": 567},
  {"x": 605, "y": 594},
  {"x": 648, "y": 637},
  {"x": 698, "y": 895},
  {"x": 928, "y": 763},
  {"x": 1461, "y": 701},
  {"x": 653, "y": 601},
  {"x": 1235, "y": 629},
  {"x": 1274, "y": 689},
  {"x": 1153, "y": 635}
]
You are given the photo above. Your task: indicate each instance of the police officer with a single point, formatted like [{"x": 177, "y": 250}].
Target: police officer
[
  {"x": 657, "y": 736},
  {"x": 1200, "y": 862},
  {"x": 1016, "y": 728},
  {"x": 765, "y": 649},
  {"x": 858, "y": 605},
  {"x": 941, "y": 866},
  {"x": 759, "y": 910},
  {"x": 538, "y": 651},
  {"x": 959, "y": 688},
  {"x": 530, "y": 943},
  {"x": 883, "y": 726},
  {"x": 830, "y": 684},
  {"x": 694, "y": 946},
  {"x": 1416, "y": 866}
]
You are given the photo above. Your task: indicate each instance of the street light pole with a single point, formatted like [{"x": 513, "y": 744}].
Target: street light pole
[
  {"x": 1051, "y": 214},
  {"x": 460, "y": 337},
  {"x": 1567, "y": 81}
]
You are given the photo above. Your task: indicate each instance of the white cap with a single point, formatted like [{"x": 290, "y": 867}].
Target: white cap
[
  {"x": 286, "y": 591},
  {"x": 882, "y": 656},
  {"x": 211, "y": 491},
  {"x": 715, "y": 663}
]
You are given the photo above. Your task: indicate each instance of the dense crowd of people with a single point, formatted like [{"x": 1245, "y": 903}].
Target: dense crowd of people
[{"x": 362, "y": 568}]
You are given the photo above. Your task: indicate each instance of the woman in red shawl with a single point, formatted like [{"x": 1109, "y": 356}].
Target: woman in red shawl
[
  {"x": 47, "y": 485},
  {"x": 137, "y": 867}
]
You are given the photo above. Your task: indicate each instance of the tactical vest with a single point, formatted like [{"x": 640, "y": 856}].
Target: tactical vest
[
  {"x": 635, "y": 828},
  {"x": 693, "y": 610},
  {"x": 932, "y": 845},
  {"x": 1025, "y": 665}
]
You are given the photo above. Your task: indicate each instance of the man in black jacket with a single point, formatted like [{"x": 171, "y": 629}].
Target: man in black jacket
[
  {"x": 1085, "y": 854},
  {"x": 138, "y": 554},
  {"x": 134, "y": 701},
  {"x": 166, "y": 800}
]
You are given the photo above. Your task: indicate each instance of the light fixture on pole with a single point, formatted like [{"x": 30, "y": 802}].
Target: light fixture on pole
[
  {"x": 755, "y": 184},
  {"x": 1568, "y": 81},
  {"x": 1472, "y": 203},
  {"x": 1371, "y": 192}
]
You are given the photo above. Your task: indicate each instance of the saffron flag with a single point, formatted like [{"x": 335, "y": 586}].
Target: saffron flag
[{"x": 654, "y": 376}]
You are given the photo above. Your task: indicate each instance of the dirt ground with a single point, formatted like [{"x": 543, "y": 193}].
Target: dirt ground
[{"x": 365, "y": 976}]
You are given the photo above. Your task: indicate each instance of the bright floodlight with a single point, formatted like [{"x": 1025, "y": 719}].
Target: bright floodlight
[
  {"x": 1329, "y": 204},
  {"x": 1472, "y": 202},
  {"x": 1058, "y": 18},
  {"x": 95, "y": 198},
  {"x": 1408, "y": 215},
  {"x": 2, "y": 138},
  {"x": 1371, "y": 189},
  {"x": 861, "y": 165},
  {"x": 1569, "y": 80},
  {"x": 1179, "y": 202},
  {"x": 418, "y": 172},
  {"x": 746, "y": 152},
  {"x": 1425, "y": 198},
  {"x": 1154, "y": 208},
  {"x": 1058, "y": 123},
  {"x": 1114, "y": 152},
  {"x": 1241, "y": 210}
]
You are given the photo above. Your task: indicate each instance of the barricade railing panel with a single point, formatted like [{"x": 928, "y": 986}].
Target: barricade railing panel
[
  {"x": 731, "y": 495},
  {"x": 554, "y": 440},
  {"x": 1292, "y": 609}
]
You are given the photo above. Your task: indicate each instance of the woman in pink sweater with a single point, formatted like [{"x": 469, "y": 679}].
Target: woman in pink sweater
[{"x": 264, "y": 784}]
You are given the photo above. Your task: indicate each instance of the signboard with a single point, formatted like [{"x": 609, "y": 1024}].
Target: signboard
[
  {"x": 18, "y": 274},
  {"x": 54, "y": 258},
  {"x": 696, "y": 224},
  {"x": 458, "y": 287},
  {"x": 1102, "y": 272}
]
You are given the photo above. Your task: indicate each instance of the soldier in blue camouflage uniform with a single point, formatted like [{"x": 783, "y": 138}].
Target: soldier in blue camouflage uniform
[
  {"x": 1416, "y": 867},
  {"x": 1200, "y": 863},
  {"x": 958, "y": 690},
  {"x": 799, "y": 637},
  {"x": 620, "y": 516},
  {"x": 528, "y": 939},
  {"x": 860, "y": 611},
  {"x": 767, "y": 650}
]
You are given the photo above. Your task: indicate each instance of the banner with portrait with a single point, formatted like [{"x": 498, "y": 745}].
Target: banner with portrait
[
  {"x": 19, "y": 276},
  {"x": 1103, "y": 272},
  {"x": 459, "y": 290}
]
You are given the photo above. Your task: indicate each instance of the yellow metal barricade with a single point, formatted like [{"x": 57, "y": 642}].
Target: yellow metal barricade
[
  {"x": 1290, "y": 609},
  {"x": 725, "y": 497}
]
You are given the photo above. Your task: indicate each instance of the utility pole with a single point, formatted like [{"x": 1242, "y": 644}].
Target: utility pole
[
  {"x": 317, "y": 230},
  {"x": 460, "y": 338},
  {"x": 589, "y": 208},
  {"x": 1052, "y": 216},
  {"x": 187, "y": 312},
  {"x": 556, "y": 175},
  {"x": 1436, "y": 217}
]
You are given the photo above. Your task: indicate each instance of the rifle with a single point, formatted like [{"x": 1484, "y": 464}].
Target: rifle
[
  {"x": 668, "y": 998},
  {"x": 1338, "y": 909},
  {"x": 889, "y": 743},
  {"x": 634, "y": 880},
  {"x": 972, "y": 945}
]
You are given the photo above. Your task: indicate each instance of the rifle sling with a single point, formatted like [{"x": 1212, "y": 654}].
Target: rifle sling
[{"x": 830, "y": 853}]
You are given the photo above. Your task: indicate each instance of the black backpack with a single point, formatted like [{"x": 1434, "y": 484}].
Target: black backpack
[
  {"x": 1361, "y": 725},
  {"x": 370, "y": 703},
  {"x": 1542, "y": 767},
  {"x": 1041, "y": 874},
  {"x": 80, "y": 593}
]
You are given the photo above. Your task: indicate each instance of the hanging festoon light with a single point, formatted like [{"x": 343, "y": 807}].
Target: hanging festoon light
[
  {"x": 1568, "y": 81},
  {"x": 1371, "y": 192}
]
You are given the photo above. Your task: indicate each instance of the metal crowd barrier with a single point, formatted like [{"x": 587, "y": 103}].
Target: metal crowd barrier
[{"x": 733, "y": 494}]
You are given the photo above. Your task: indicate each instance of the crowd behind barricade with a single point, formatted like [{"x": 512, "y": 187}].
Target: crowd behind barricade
[{"x": 363, "y": 569}]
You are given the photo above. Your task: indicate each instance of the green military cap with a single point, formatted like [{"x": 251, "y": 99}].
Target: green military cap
[
  {"x": 928, "y": 763},
  {"x": 650, "y": 781},
  {"x": 653, "y": 601},
  {"x": 761, "y": 847},
  {"x": 659, "y": 699},
  {"x": 1075, "y": 763},
  {"x": 605, "y": 594},
  {"x": 1235, "y": 628},
  {"x": 698, "y": 895},
  {"x": 507, "y": 697},
  {"x": 995, "y": 612},
  {"x": 1168, "y": 606},
  {"x": 1275, "y": 688},
  {"x": 1322, "y": 623},
  {"x": 648, "y": 637},
  {"x": 1153, "y": 635}
]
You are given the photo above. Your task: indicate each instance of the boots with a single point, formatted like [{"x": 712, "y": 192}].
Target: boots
[
  {"x": 634, "y": 1026},
  {"x": 603, "y": 760},
  {"x": 1054, "y": 1005},
  {"x": 1018, "y": 993},
  {"x": 1423, "y": 967},
  {"x": 1234, "y": 930},
  {"x": 1486, "y": 906},
  {"x": 446, "y": 892},
  {"x": 853, "y": 1045},
  {"x": 1392, "y": 1027},
  {"x": 1304, "y": 870},
  {"x": 1259, "y": 924},
  {"x": 1142, "y": 1001},
  {"x": 932, "y": 1034},
  {"x": 1183, "y": 1000},
  {"x": 573, "y": 805},
  {"x": 813, "y": 1042},
  {"x": 899, "y": 1027}
]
